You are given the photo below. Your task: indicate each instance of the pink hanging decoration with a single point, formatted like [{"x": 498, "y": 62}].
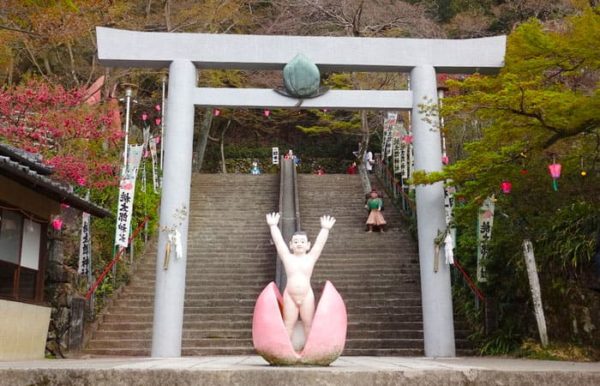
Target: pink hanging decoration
[
  {"x": 266, "y": 113},
  {"x": 555, "y": 170},
  {"x": 144, "y": 117},
  {"x": 445, "y": 160},
  {"x": 157, "y": 107},
  {"x": 506, "y": 187},
  {"x": 407, "y": 139},
  {"x": 57, "y": 223},
  {"x": 216, "y": 112},
  {"x": 157, "y": 121}
]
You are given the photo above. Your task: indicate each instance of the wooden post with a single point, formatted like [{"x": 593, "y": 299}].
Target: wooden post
[{"x": 536, "y": 294}]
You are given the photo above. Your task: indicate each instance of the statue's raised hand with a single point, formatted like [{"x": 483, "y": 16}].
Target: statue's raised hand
[
  {"x": 272, "y": 218},
  {"x": 327, "y": 222}
]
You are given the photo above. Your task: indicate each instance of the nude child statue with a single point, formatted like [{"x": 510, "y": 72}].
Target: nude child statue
[{"x": 298, "y": 296}]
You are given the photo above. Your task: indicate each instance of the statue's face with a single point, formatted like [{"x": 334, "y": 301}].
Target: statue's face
[{"x": 299, "y": 244}]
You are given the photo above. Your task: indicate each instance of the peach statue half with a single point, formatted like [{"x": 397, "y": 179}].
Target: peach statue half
[{"x": 326, "y": 338}]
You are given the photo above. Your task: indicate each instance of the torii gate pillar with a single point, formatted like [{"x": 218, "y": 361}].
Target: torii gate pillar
[
  {"x": 174, "y": 208},
  {"x": 436, "y": 294}
]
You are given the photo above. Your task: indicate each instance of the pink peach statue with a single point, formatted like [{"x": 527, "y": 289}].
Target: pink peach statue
[{"x": 276, "y": 316}]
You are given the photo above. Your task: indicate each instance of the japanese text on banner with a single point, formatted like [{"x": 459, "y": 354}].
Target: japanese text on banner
[{"x": 484, "y": 234}]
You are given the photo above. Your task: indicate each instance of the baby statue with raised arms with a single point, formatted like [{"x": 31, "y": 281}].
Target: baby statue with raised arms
[{"x": 299, "y": 261}]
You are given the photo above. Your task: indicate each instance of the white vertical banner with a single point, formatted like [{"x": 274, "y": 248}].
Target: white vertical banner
[
  {"x": 384, "y": 143},
  {"x": 153, "y": 153},
  {"x": 275, "y": 155},
  {"x": 449, "y": 202},
  {"x": 126, "y": 196},
  {"x": 388, "y": 123},
  {"x": 485, "y": 222},
  {"x": 133, "y": 161},
  {"x": 85, "y": 245},
  {"x": 124, "y": 211},
  {"x": 397, "y": 153}
]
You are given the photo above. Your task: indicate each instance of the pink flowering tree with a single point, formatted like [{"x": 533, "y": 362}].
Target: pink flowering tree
[{"x": 80, "y": 141}]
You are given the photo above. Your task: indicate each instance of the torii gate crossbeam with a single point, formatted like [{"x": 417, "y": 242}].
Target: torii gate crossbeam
[{"x": 184, "y": 53}]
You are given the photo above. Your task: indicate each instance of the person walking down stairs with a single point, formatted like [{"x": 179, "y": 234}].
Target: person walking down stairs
[{"x": 375, "y": 206}]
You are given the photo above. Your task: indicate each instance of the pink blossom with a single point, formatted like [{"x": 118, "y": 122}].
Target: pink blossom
[{"x": 57, "y": 223}]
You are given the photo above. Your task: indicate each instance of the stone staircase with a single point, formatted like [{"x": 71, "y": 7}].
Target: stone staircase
[
  {"x": 376, "y": 273},
  {"x": 230, "y": 260}
]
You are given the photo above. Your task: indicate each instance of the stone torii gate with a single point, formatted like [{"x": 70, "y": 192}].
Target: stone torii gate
[{"x": 184, "y": 53}]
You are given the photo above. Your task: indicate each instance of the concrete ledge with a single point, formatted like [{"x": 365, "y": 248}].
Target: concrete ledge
[{"x": 254, "y": 371}]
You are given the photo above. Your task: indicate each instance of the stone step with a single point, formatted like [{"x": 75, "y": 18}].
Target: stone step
[
  {"x": 216, "y": 351},
  {"x": 192, "y": 301},
  {"x": 353, "y": 326},
  {"x": 354, "y": 334},
  {"x": 322, "y": 266},
  {"x": 144, "y": 294},
  {"x": 195, "y": 301},
  {"x": 249, "y": 309},
  {"x": 222, "y": 342},
  {"x": 119, "y": 316}
]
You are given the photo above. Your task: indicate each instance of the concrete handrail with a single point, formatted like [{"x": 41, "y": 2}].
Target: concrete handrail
[{"x": 289, "y": 210}]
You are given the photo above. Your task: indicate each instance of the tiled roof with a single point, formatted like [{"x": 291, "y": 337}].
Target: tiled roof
[{"x": 20, "y": 167}]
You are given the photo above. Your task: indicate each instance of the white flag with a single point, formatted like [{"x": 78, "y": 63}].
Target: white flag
[
  {"x": 124, "y": 212},
  {"x": 85, "y": 246}
]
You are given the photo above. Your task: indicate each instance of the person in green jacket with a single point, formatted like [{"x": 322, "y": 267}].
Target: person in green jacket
[{"x": 375, "y": 206}]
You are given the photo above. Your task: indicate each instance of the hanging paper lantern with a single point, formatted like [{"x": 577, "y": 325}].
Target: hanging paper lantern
[
  {"x": 144, "y": 117},
  {"x": 157, "y": 120},
  {"x": 555, "y": 169},
  {"x": 57, "y": 223},
  {"x": 157, "y": 107},
  {"x": 506, "y": 187},
  {"x": 266, "y": 113},
  {"x": 583, "y": 173},
  {"x": 216, "y": 112},
  {"x": 445, "y": 160}
]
